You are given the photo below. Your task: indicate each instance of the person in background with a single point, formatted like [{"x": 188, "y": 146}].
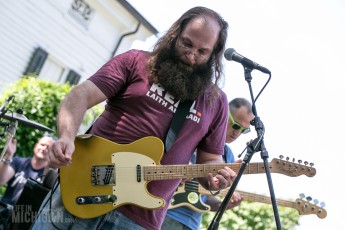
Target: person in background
[
  {"x": 183, "y": 217},
  {"x": 142, "y": 90},
  {"x": 14, "y": 170}
]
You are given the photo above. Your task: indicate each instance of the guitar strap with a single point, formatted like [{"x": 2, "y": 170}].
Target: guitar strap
[{"x": 176, "y": 123}]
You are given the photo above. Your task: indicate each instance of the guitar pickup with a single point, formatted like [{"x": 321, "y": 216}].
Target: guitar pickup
[
  {"x": 103, "y": 175},
  {"x": 105, "y": 199}
]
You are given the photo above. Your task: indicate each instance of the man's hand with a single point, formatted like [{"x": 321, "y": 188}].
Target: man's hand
[
  {"x": 215, "y": 202},
  {"x": 235, "y": 200},
  {"x": 61, "y": 153},
  {"x": 11, "y": 149},
  {"x": 224, "y": 178}
]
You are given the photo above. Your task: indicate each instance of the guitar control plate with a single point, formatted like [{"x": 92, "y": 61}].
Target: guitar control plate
[{"x": 103, "y": 199}]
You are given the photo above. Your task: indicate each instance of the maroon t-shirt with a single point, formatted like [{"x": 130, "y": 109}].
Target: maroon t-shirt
[{"x": 136, "y": 109}]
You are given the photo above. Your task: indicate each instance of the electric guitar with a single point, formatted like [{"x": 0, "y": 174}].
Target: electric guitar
[
  {"x": 105, "y": 175},
  {"x": 189, "y": 194}
]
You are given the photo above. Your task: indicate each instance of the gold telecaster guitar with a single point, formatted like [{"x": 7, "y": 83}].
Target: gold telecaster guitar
[
  {"x": 189, "y": 194},
  {"x": 105, "y": 175}
]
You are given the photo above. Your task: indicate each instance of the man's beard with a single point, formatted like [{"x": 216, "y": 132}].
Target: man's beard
[{"x": 182, "y": 80}]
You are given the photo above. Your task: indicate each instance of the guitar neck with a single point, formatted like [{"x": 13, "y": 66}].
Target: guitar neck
[
  {"x": 164, "y": 172},
  {"x": 303, "y": 207},
  {"x": 265, "y": 199},
  {"x": 252, "y": 197}
]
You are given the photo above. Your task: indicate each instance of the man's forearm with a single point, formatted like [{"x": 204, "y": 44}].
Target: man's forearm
[
  {"x": 71, "y": 114},
  {"x": 4, "y": 172}
]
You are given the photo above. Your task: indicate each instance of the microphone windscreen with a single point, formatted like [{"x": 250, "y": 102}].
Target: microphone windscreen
[{"x": 228, "y": 53}]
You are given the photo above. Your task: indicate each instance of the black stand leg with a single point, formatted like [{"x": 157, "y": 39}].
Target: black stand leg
[
  {"x": 216, "y": 219},
  {"x": 254, "y": 146},
  {"x": 264, "y": 156}
]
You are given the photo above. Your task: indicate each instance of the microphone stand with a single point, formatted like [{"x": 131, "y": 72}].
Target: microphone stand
[
  {"x": 11, "y": 132},
  {"x": 254, "y": 146}
]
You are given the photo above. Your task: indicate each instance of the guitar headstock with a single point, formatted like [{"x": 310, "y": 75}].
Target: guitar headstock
[
  {"x": 292, "y": 169},
  {"x": 304, "y": 207}
]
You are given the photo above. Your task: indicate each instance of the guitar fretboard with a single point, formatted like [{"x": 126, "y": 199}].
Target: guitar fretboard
[{"x": 164, "y": 172}]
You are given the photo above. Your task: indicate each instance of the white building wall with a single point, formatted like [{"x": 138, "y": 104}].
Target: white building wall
[{"x": 28, "y": 24}]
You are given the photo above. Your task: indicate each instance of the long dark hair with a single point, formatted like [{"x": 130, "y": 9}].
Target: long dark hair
[{"x": 168, "y": 40}]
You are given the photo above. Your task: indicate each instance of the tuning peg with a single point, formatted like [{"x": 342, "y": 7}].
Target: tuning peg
[
  {"x": 299, "y": 161},
  {"x": 311, "y": 164},
  {"x": 308, "y": 198},
  {"x": 322, "y": 204},
  {"x": 316, "y": 201},
  {"x": 306, "y": 162},
  {"x": 293, "y": 160},
  {"x": 281, "y": 156},
  {"x": 301, "y": 195}
]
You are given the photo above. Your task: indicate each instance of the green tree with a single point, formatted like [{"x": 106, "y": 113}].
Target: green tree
[
  {"x": 253, "y": 216},
  {"x": 39, "y": 101}
]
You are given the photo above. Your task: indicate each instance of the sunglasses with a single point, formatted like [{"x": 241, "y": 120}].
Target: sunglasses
[{"x": 237, "y": 126}]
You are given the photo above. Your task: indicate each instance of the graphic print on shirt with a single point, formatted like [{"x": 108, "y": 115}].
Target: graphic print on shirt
[
  {"x": 159, "y": 94},
  {"x": 21, "y": 179}
]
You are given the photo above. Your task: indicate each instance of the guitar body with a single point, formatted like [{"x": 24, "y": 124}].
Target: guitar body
[
  {"x": 104, "y": 175},
  {"x": 189, "y": 198}
]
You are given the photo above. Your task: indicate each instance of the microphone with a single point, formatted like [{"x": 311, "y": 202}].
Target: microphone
[
  {"x": 231, "y": 55},
  {"x": 2, "y": 108}
]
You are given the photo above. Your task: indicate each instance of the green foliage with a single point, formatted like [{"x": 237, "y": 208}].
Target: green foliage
[
  {"x": 2, "y": 189},
  {"x": 39, "y": 101},
  {"x": 253, "y": 216}
]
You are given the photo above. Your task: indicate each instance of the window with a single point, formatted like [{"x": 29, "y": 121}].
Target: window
[
  {"x": 36, "y": 62},
  {"x": 73, "y": 77}
]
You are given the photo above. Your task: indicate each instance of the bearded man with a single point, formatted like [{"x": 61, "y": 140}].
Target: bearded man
[{"x": 142, "y": 91}]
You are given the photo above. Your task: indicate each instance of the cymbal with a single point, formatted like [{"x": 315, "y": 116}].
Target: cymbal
[{"x": 23, "y": 119}]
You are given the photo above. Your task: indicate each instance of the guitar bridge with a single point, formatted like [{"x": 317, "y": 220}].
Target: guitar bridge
[
  {"x": 103, "y": 175},
  {"x": 105, "y": 199}
]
